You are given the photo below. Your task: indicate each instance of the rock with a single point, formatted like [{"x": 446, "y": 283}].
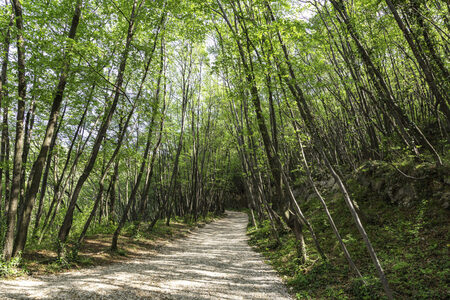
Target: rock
[
  {"x": 311, "y": 197},
  {"x": 297, "y": 192},
  {"x": 364, "y": 181},
  {"x": 330, "y": 183},
  {"x": 445, "y": 200},
  {"x": 377, "y": 184},
  {"x": 405, "y": 195},
  {"x": 447, "y": 180},
  {"x": 436, "y": 185},
  {"x": 322, "y": 183},
  {"x": 390, "y": 193},
  {"x": 335, "y": 187}
]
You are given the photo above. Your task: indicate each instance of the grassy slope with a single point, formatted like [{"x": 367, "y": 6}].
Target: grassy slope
[{"x": 412, "y": 243}]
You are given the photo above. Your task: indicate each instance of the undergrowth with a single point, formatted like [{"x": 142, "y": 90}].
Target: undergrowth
[
  {"x": 11, "y": 268},
  {"x": 41, "y": 258},
  {"x": 411, "y": 242}
]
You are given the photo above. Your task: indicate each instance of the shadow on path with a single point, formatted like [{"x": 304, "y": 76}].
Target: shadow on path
[{"x": 214, "y": 262}]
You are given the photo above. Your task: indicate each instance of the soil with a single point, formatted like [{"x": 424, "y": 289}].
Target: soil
[{"x": 213, "y": 262}]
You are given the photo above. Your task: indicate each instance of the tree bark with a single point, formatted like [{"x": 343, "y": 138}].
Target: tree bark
[
  {"x": 39, "y": 164},
  {"x": 4, "y": 148},
  {"x": 20, "y": 135},
  {"x": 67, "y": 223},
  {"x": 423, "y": 63},
  {"x": 315, "y": 135}
]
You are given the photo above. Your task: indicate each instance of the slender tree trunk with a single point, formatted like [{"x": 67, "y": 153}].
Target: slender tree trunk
[
  {"x": 146, "y": 191},
  {"x": 61, "y": 182},
  {"x": 29, "y": 125},
  {"x": 303, "y": 107},
  {"x": 150, "y": 168},
  {"x": 20, "y": 135},
  {"x": 322, "y": 201},
  {"x": 132, "y": 197},
  {"x": 186, "y": 91},
  {"x": 45, "y": 179},
  {"x": 67, "y": 223},
  {"x": 406, "y": 128},
  {"x": 122, "y": 131},
  {"x": 4, "y": 148},
  {"x": 149, "y": 136},
  {"x": 423, "y": 63},
  {"x": 112, "y": 195},
  {"x": 38, "y": 166}
]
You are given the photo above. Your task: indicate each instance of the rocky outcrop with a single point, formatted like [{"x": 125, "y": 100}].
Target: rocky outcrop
[{"x": 404, "y": 185}]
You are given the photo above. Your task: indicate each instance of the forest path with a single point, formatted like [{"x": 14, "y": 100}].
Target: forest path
[{"x": 214, "y": 262}]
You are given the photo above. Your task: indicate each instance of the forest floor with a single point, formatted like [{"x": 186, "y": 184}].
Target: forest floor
[
  {"x": 407, "y": 221},
  {"x": 42, "y": 259},
  {"x": 213, "y": 262}
]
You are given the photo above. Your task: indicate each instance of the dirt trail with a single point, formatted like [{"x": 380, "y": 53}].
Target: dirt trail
[{"x": 214, "y": 262}]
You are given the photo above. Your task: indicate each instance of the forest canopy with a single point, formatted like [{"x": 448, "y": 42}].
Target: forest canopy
[{"x": 117, "y": 112}]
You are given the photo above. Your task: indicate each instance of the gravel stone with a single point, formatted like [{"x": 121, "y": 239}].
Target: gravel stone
[{"x": 213, "y": 262}]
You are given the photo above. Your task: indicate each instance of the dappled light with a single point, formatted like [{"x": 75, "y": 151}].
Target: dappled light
[
  {"x": 124, "y": 124},
  {"x": 214, "y": 262}
]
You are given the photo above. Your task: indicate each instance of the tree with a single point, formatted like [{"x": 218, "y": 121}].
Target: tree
[
  {"x": 20, "y": 134},
  {"x": 41, "y": 160}
]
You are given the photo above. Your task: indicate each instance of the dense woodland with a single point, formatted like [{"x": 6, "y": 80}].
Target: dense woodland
[{"x": 130, "y": 112}]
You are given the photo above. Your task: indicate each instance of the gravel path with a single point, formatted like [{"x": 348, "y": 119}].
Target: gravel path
[{"x": 214, "y": 262}]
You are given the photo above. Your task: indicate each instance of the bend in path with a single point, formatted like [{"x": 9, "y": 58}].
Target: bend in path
[{"x": 214, "y": 262}]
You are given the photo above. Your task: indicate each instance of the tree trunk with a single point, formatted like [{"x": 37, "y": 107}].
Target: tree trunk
[
  {"x": 45, "y": 179},
  {"x": 67, "y": 223},
  {"x": 423, "y": 63},
  {"x": 38, "y": 166},
  {"x": 4, "y": 148},
  {"x": 303, "y": 107},
  {"x": 149, "y": 137},
  {"x": 20, "y": 136}
]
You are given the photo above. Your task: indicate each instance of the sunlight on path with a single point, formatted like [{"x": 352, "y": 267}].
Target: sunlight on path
[{"x": 214, "y": 262}]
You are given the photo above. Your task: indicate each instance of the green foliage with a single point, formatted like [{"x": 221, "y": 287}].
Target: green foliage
[
  {"x": 121, "y": 252},
  {"x": 11, "y": 267},
  {"x": 219, "y": 72},
  {"x": 365, "y": 288},
  {"x": 106, "y": 227},
  {"x": 410, "y": 242}
]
